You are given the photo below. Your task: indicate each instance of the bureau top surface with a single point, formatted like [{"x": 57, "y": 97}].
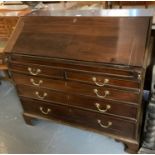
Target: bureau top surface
[
  {"x": 114, "y": 40},
  {"x": 96, "y": 12}
]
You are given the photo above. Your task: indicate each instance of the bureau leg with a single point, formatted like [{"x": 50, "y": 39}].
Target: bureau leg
[
  {"x": 28, "y": 120},
  {"x": 131, "y": 148}
]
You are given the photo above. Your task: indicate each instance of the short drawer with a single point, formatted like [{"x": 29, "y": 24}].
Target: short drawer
[
  {"x": 36, "y": 70},
  {"x": 38, "y": 82},
  {"x": 102, "y": 80},
  {"x": 42, "y": 94},
  {"x": 44, "y": 109},
  {"x": 107, "y": 124},
  {"x": 123, "y": 110}
]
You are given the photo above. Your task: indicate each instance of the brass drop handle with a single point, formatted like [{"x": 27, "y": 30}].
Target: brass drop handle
[
  {"x": 45, "y": 112},
  {"x": 40, "y": 97},
  {"x": 102, "y": 110},
  {"x": 35, "y": 83},
  {"x": 34, "y": 72},
  {"x": 139, "y": 77},
  {"x": 104, "y": 126},
  {"x": 106, "y": 92},
  {"x": 98, "y": 84}
]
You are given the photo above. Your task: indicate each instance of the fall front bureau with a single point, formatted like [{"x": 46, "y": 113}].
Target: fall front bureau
[{"x": 86, "y": 71}]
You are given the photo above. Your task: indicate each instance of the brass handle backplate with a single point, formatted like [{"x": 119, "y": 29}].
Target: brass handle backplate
[
  {"x": 104, "y": 126},
  {"x": 102, "y": 110},
  {"x": 34, "y": 71},
  {"x": 35, "y": 83},
  {"x": 100, "y": 84},
  {"x": 39, "y": 96},
  {"x": 106, "y": 92},
  {"x": 45, "y": 112}
]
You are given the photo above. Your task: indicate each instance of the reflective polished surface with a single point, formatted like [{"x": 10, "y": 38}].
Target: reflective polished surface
[
  {"x": 97, "y": 12},
  {"x": 45, "y": 136}
]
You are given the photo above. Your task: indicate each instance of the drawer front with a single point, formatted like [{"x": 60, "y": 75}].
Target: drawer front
[
  {"x": 102, "y": 80},
  {"x": 71, "y": 65},
  {"x": 45, "y": 109},
  {"x": 108, "y": 124},
  {"x": 38, "y": 82},
  {"x": 79, "y": 88},
  {"x": 98, "y": 105},
  {"x": 42, "y": 94},
  {"x": 36, "y": 70},
  {"x": 105, "y": 92},
  {"x": 104, "y": 106},
  {"x": 95, "y": 39}
]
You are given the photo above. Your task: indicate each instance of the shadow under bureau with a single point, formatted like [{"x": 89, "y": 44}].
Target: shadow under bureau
[{"x": 86, "y": 71}]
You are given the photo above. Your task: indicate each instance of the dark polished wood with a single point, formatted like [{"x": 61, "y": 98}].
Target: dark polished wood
[
  {"x": 30, "y": 69},
  {"x": 121, "y": 71},
  {"x": 28, "y": 120},
  {"x": 82, "y": 89},
  {"x": 44, "y": 109},
  {"x": 77, "y": 76},
  {"x": 25, "y": 84},
  {"x": 117, "y": 127},
  {"x": 101, "y": 106},
  {"x": 52, "y": 96},
  {"x": 82, "y": 117},
  {"x": 88, "y": 70},
  {"x": 76, "y": 40},
  {"x": 112, "y": 81},
  {"x": 83, "y": 102}
]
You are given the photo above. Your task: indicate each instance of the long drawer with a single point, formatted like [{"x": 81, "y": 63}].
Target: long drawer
[
  {"x": 72, "y": 87},
  {"x": 101, "y": 106},
  {"x": 108, "y": 124}
]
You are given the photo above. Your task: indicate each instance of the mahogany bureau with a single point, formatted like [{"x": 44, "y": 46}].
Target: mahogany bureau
[{"x": 86, "y": 71}]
